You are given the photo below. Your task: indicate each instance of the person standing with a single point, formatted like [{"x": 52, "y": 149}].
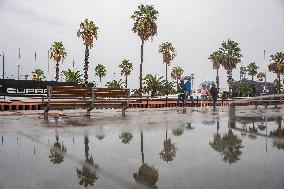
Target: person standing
[
  {"x": 186, "y": 90},
  {"x": 180, "y": 91},
  {"x": 214, "y": 94}
]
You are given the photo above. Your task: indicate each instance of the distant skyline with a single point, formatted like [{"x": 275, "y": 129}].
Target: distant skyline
[{"x": 196, "y": 29}]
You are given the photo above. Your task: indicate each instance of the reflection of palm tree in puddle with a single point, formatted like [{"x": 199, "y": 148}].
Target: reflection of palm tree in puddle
[
  {"x": 177, "y": 131},
  {"x": 125, "y": 137},
  {"x": 87, "y": 174},
  {"x": 57, "y": 152},
  {"x": 169, "y": 151},
  {"x": 147, "y": 174},
  {"x": 232, "y": 145},
  {"x": 100, "y": 134},
  {"x": 279, "y": 132},
  {"x": 217, "y": 140},
  {"x": 229, "y": 145},
  {"x": 253, "y": 130}
]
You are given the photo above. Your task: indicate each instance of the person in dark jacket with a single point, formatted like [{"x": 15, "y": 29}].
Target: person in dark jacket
[
  {"x": 186, "y": 90},
  {"x": 214, "y": 94}
]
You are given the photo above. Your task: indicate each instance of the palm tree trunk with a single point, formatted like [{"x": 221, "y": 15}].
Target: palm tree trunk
[
  {"x": 217, "y": 80},
  {"x": 140, "y": 77},
  {"x": 86, "y": 142},
  {"x": 126, "y": 81},
  {"x": 229, "y": 72},
  {"x": 57, "y": 72},
  {"x": 100, "y": 79},
  {"x": 279, "y": 84},
  {"x": 86, "y": 65},
  {"x": 166, "y": 79},
  {"x": 177, "y": 84},
  {"x": 252, "y": 77},
  {"x": 142, "y": 151}
]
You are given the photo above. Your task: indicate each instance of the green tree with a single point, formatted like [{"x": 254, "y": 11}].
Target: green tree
[
  {"x": 126, "y": 68},
  {"x": 145, "y": 26},
  {"x": 245, "y": 89},
  {"x": 277, "y": 66},
  {"x": 88, "y": 31},
  {"x": 73, "y": 77},
  {"x": 167, "y": 88},
  {"x": 38, "y": 75},
  {"x": 252, "y": 70},
  {"x": 216, "y": 58},
  {"x": 115, "y": 84},
  {"x": 231, "y": 57},
  {"x": 153, "y": 84},
  {"x": 169, "y": 53},
  {"x": 100, "y": 71},
  {"x": 176, "y": 74},
  {"x": 58, "y": 53}
]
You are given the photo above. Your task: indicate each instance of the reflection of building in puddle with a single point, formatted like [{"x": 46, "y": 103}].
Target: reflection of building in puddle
[{"x": 279, "y": 144}]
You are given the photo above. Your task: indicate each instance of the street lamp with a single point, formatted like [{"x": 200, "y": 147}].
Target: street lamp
[
  {"x": 192, "y": 77},
  {"x": 3, "y": 61}
]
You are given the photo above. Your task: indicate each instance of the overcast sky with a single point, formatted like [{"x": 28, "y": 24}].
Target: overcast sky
[{"x": 195, "y": 27}]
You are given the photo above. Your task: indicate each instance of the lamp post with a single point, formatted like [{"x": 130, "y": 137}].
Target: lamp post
[
  {"x": 192, "y": 78},
  {"x": 3, "y": 62}
]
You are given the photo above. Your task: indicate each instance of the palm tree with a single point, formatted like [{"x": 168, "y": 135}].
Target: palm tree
[
  {"x": 88, "y": 31},
  {"x": 231, "y": 57},
  {"x": 277, "y": 66},
  {"x": 154, "y": 84},
  {"x": 252, "y": 69},
  {"x": 126, "y": 68},
  {"x": 169, "y": 54},
  {"x": 167, "y": 88},
  {"x": 38, "y": 75},
  {"x": 73, "y": 77},
  {"x": 216, "y": 58},
  {"x": 145, "y": 26},
  {"x": 100, "y": 71},
  {"x": 260, "y": 76},
  {"x": 245, "y": 89},
  {"x": 176, "y": 74},
  {"x": 115, "y": 84},
  {"x": 58, "y": 53}
]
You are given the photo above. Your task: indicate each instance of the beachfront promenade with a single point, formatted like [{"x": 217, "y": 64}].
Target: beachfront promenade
[{"x": 134, "y": 103}]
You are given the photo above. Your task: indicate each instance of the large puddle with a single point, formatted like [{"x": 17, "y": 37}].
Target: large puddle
[{"x": 152, "y": 148}]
